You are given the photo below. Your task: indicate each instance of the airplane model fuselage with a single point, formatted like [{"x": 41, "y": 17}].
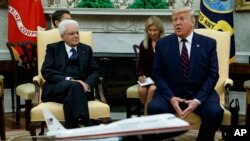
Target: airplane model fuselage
[{"x": 167, "y": 125}]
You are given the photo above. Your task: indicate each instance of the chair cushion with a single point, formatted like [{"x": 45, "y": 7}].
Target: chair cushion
[
  {"x": 26, "y": 91},
  {"x": 132, "y": 91},
  {"x": 97, "y": 110}
]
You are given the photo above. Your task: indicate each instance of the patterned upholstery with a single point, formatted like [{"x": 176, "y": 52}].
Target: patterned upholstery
[{"x": 24, "y": 67}]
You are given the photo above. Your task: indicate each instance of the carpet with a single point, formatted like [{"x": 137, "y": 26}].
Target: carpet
[{"x": 22, "y": 135}]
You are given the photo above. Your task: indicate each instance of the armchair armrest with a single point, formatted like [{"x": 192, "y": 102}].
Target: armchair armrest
[
  {"x": 247, "y": 84},
  {"x": 227, "y": 85},
  {"x": 228, "y": 82},
  {"x": 38, "y": 81},
  {"x": 99, "y": 91}
]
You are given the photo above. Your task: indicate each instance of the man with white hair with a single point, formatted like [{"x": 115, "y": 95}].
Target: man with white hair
[{"x": 71, "y": 72}]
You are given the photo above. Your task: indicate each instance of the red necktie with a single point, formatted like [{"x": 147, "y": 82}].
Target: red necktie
[{"x": 184, "y": 59}]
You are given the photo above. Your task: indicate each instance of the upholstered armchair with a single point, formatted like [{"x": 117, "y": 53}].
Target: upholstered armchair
[
  {"x": 133, "y": 104},
  {"x": 99, "y": 110},
  {"x": 24, "y": 68},
  {"x": 224, "y": 83}
]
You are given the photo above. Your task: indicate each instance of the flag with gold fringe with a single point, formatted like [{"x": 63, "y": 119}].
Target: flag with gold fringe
[
  {"x": 218, "y": 15},
  {"x": 25, "y": 17}
]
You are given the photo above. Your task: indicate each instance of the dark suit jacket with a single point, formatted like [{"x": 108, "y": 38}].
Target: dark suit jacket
[
  {"x": 146, "y": 57},
  {"x": 203, "y": 69},
  {"x": 55, "y": 63}
]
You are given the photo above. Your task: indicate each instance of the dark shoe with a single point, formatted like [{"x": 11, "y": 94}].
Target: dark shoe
[
  {"x": 71, "y": 124},
  {"x": 85, "y": 121}
]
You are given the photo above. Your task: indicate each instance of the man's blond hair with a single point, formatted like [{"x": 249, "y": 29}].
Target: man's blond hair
[{"x": 184, "y": 10}]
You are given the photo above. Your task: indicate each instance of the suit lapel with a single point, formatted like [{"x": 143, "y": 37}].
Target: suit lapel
[
  {"x": 82, "y": 53},
  {"x": 177, "y": 55},
  {"x": 62, "y": 53},
  {"x": 194, "y": 53}
]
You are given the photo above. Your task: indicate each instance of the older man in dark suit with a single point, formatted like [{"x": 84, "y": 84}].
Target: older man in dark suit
[
  {"x": 185, "y": 72},
  {"x": 71, "y": 72}
]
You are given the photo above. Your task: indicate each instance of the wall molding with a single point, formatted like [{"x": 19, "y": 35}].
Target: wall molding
[
  {"x": 5, "y": 55},
  {"x": 115, "y": 11}
]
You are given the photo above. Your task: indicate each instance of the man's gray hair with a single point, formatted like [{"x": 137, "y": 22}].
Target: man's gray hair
[{"x": 62, "y": 25}]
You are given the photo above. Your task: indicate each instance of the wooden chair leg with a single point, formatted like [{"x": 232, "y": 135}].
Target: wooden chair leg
[
  {"x": 225, "y": 132},
  {"x": 139, "y": 106},
  {"x": 18, "y": 108},
  {"x": 134, "y": 106},
  {"x": 129, "y": 108},
  {"x": 28, "y": 106},
  {"x": 13, "y": 99},
  {"x": 2, "y": 125},
  {"x": 32, "y": 130},
  {"x": 42, "y": 128}
]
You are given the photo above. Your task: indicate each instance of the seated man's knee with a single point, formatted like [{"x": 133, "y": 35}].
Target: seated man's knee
[
  {"x": 76, "y": 85},
  {"x": 214, "y": 115},
  {"x": 217, "y": 112},
  {"x": 154, "y": 108}
]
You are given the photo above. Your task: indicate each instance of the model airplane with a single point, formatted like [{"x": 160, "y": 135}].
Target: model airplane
[{"x": 149, "y": 128}]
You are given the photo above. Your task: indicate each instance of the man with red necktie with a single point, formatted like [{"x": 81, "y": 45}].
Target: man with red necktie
[{"x": 185, "y": 71}]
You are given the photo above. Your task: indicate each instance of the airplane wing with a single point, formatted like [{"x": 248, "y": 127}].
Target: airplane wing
[
  {"x": 45, "y": 137},
  {"x": 106, "y": 139}
]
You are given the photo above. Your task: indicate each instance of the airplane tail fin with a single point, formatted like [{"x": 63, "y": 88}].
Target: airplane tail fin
[{"x": 52, "y": 123}]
